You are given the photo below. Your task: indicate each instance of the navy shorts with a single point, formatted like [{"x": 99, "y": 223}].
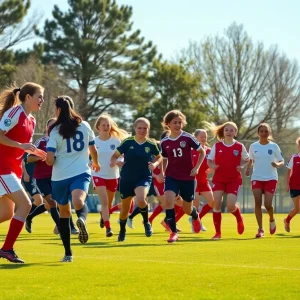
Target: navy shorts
[
  {"x": 151, "y": 191},
  {"x": 62, "y": 189},
  {"x": 44, "y": 186},
  {"x": 31, "y": 187},
  {"x": 127, "y": 187},
  {"x": 294, "y": 193},
  {"x": 184, "y": 188}
]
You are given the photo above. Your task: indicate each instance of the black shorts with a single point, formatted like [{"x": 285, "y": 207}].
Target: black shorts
[
  {"x": 294, "y": 193},
  {"x": 31, "y": 187},
  {"x": 152, "y": 191},
  {"x": 44, "y": 185}
]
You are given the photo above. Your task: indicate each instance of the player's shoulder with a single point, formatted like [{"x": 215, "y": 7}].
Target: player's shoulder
[
  {"x": 129, "y": 140},
  {"x": 12, "y": 114},
  {"x": 187, "y": 135},
  {"x": 85, "y": 125},
  {"x": 151, "y": 142},
  {"x": 41, "y": 140}
]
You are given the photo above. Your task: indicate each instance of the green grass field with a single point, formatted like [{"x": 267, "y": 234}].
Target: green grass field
[{"x": 236, "y": 267}]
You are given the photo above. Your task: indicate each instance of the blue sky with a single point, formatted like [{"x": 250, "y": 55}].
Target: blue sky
[{"x": 171, "y": 24}]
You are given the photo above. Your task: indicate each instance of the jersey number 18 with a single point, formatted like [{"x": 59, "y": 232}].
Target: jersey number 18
[{"x": 76, "y": 143}]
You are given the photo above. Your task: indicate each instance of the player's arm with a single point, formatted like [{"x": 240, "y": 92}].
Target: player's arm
[
  {"x": 33, "y": 158},
  {"x": 279, "y": 158},
  {"x": 51, "y": 149},
  {"x": 248, "y": 167},
  {"x": 201, "y": 157},
  {"x": 94, "y": 154},
  {"x": 26, "y": 176},
  {"x": 114, "y": 157},
  {"x": 244, "y": 160},
  {"x": 211, "y": 158},
  {"x": 287, "y": 179},
  {"x": 157, "y": 160}
]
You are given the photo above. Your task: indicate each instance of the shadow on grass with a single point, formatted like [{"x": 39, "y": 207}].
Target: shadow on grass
[
  {"x": 285, "y": 235},
  {"x": 13, "y": 266}
]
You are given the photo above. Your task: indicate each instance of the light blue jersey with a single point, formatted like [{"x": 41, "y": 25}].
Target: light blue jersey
[{"x": 72, "y": 154}]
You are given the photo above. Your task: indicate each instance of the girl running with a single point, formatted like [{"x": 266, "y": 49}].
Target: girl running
[
  {"x": 16, "y": 131},
  {"x": 70, "y": 143},
  {"x": 227, "y": 158}
]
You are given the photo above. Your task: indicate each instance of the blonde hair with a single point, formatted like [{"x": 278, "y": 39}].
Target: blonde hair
[
  {"x": 270, "y": 137},
  {"x": 198, "y": 131},
  {"x": 218, "y": 131},
  {"x": 169, "y": 116},
  {"x": 114, "y": 128},
  {"x": 298, "y": 141},
  {"x": 138, "y": 120}
]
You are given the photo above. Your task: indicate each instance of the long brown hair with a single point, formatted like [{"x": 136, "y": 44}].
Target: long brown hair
[{"x": 169, "y": 116}]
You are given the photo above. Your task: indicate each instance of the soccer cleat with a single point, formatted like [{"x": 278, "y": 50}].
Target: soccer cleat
[
  {"x": 272, "y": 227},
  {"x": 109, "y": 232},
  {"x": 55, "y": 230},
  {"x": 260, "y": 233},
  {"x": 240, "y": 226},
  {"x": 196, "y": 225},
  {"x": 148, "y": 229},
  {"x": 286, "y": 226},
  {"x": 83, "y": 235},
  {"x": 28, "y": 223},
  {"x": 74, "y": 231},
  {"x": 130, "y": 223},
  {"x": 11, "y": 256},
  {"x": 217, "y": 236},
  {"x": 101, "y": 222},
  {"x": 173, "y": 238},
  {"x": 67, "y": 258},
  {"x": 121, "y": 236},
  {"x": 167, "y": 227}
]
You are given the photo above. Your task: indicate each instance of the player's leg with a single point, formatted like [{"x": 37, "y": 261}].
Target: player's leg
[
  {"x": 123, "y": 217},
  {"x": 268, "y": 203},
  {"x": 294, "y": 210},
  {"x": 235, "y": 210},
  {"x": 217, "y": 215}
]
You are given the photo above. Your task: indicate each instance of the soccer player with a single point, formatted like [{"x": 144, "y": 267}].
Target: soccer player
[
  {"x": 16, "y": 130},
  {"x": 136, "y": 175},
  {"x": 227, "y": 157},
  {"x": 266, "y": 157},
  {"x": 292, "y": 184},
  {"x": 106, "y": 180},
  {"x": 70, "y": 143},
  {"x": 203, "y": 187},
  {"x": 180, "y": 172}
]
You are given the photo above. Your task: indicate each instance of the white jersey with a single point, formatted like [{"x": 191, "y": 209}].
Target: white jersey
[
  {"x": 105, "y": 151},
  {"x": 72, "y": 154},
  {"x": 263, "y": 156}
]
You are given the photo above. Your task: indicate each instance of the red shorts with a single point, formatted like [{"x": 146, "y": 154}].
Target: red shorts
[
  {"x": 159, "y": 188},
  {"x": 110, "y": 184},
  {"x": 203, "y": 187},
  {"x": 266, "y": 186},
  {"x": 227, "y": 187}
]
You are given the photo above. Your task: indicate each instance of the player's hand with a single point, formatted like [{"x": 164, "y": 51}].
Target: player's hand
[
  {"x": 26, "y": 177},
  {"x": 194, "y": 171},
  {"x": 287, "y": 188},
  {"x": 239, "y": 168},
  {"x": 214, "y": 167},
  {"x": 28, "y": 147},
  {"x": 208, "y": 171},
  {"x": 113, "y": 163},
  {"x": 152, "y": 166},
  {"x": 120, "y": 163},
  {"x": 96, "y": 167},
  {"x": 38, "y": 152},
  {"x": 274, "y": 164},
  {"x": 247, "y": 172},
  {"x": 160, "y": 178}
]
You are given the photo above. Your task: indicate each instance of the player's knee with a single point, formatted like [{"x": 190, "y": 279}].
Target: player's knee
[
  {"x": 268, "y": 206},
  {"x": 231, "y": 207}
]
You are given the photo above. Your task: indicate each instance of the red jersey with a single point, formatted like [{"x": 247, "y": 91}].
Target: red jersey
[
  {"x": 179, "y": 154},
  {"x": 228, "y": 158},
  {"x": 42, "y": 170},
  {"x": 19, "y": 127},
  {"x": 294, "y": 165},
  {"x": 202, "y": 175}
]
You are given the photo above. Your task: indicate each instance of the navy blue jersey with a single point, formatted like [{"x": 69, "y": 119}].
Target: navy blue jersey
[
  {"x": 136, "y": 158},
  {"x": 29, "y": 166}
]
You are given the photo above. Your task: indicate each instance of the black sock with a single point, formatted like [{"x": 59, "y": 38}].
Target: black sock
[
  {"x": 144, "y": 213},
  {"x": 33, "y": 207},
  {"x": 65, "y": 234},
  {"x": 82, "y": 212},
  {"x": 194, "y": 213},
  {"x": 123, "y": 225},
  {"x": 72, "y": 223},
  {"x": 38, "y": 210},
  {"x": 170, "y": 216},
  {"x": 135, "y": 212},
  {"x": 55, "y": 216}
]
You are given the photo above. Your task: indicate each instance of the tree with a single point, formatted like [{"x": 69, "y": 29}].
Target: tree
[
  {"x": 174, "y": 87},
  {"x": 94, "y": 45}
]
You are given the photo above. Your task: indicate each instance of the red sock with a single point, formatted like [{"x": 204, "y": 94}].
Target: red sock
[
  {"x": 158, "y": 209},
  {"x": 177, "y": 209},
  {"x": 113, "y": 209},
  {"x": 107, "y": 224},
  {"x": 217, "y": 217},
  {"x": 205, "y": 209},
  {"x": 179, "y": 214},
  {"x": 131, "y": 207},
  {"x": 14, "y": 230},
  {"x": 288, "y": 219},
  {"x": 237, "y": 214}
]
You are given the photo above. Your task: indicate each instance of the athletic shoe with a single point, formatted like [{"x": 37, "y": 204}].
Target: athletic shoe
[
  {"x": 202, "y": 227},
  {"x": 173, "y": 238},
  {"x": 167, "y": 227},
  {"x": 67, "y": 258},
  {"x": 83, "y": 235},
  {"x": 192, "y": 227},
  {"x": 11, "y": 256},
  {"x": 260, "y": 233},
  {"x": 196, "y": 225},
  {"x": 240, "y": 226},
  {"x": 121, "y": 236},
  {"x": 55, "y": 230},
  {"x": 130, "y": 223},
  {"x": 272, "y": 227},
  {"x": 74, "y": 231},
  {"x": 109, "y": 232},
  {"x": 148, "y": 229},
  {"x": 286, "y": 226},
  {"x": 28, "y": 223},
  {"x": 217, "y": 236}
]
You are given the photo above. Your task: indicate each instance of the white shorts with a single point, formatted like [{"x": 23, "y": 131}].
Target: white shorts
[{"x": 9, "y": 184}]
